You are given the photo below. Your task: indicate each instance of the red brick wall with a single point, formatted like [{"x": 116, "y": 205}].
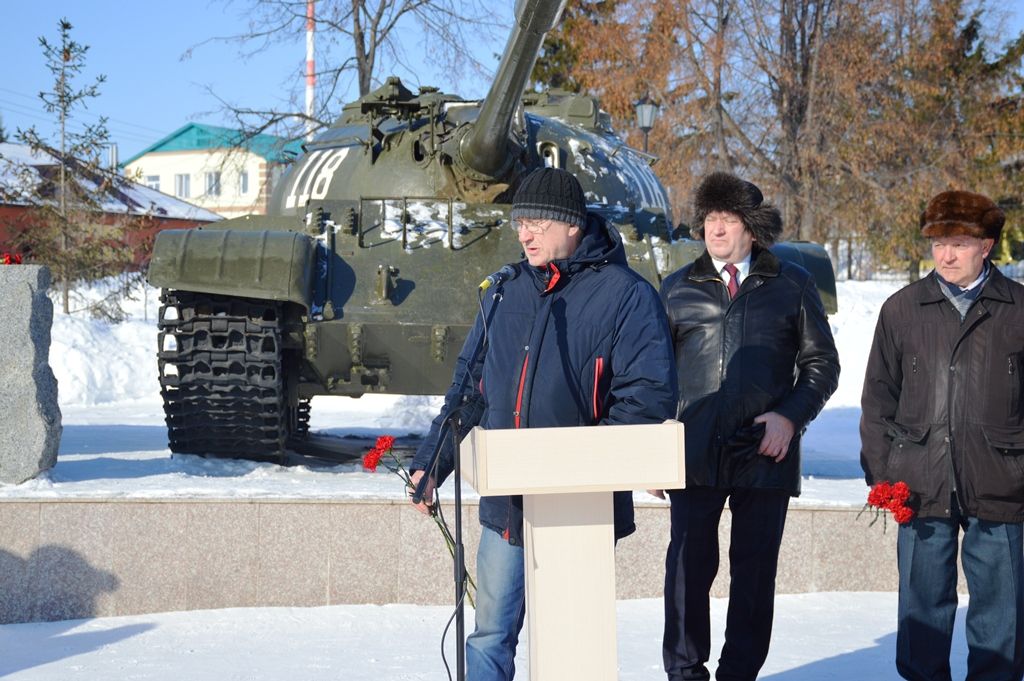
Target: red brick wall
[{"x": 16, "y": 218}]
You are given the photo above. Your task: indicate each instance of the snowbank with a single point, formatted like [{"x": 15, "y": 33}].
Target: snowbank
[{"x": 114, "y": 428}]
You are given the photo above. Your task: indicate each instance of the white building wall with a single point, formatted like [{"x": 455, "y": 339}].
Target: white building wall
[{"x": 231, "y": 164}]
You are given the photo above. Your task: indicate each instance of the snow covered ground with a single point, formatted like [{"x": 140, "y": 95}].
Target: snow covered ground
[
  {"x": 114, "y": 442},
  {"x": 114, "y": 445},
  {"x": 817, "y": 637}
]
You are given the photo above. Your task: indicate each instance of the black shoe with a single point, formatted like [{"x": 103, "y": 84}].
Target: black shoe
[{"x": 696, "y": 673}]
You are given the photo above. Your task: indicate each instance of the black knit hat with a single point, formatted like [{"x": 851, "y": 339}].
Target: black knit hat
[
  {"x": 550, "y": 194},
  {"x": 725, "y": 192}
]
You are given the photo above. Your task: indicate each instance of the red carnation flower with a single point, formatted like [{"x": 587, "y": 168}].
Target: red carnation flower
[
  {"x": 900, "y": 492},
  {"x": 903, "y": 515},
  {"x": 879, "y": 494},
  {"x": 891, "y": 497},
  {"x": 376, "y": 456},
  {"x": 372, "y": 459}
]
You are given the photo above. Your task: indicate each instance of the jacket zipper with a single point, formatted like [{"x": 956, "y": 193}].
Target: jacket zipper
[
  {"x": 1011, "y": 370},
  {"x": 553, "y": 276},
  {"x": 598, "y": 370},
  {"x": 507, "y": 534},
  {"x": 519, "y": 396},
  {"x": 950, "y": 442}
]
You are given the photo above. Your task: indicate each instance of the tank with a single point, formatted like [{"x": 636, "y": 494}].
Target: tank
[{"x": 363, "y": 276}]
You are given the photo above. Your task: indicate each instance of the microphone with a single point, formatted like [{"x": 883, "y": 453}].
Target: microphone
[{"x": 500, "y": 277}]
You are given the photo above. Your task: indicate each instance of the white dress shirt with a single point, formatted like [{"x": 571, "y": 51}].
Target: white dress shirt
[{"x": 742, "y": 267}]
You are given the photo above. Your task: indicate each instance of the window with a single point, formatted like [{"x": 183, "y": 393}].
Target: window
[
  {"x": 153, "y": 182},
  {"x": 213, "y": 183},
  {"x": 181, "y": 188},
  {"x": 243, "y": 182}
]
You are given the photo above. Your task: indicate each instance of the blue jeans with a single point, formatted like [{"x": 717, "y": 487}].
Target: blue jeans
[
  {"x": 500, "y": 609},
  {"x": 992, "y": 558}
]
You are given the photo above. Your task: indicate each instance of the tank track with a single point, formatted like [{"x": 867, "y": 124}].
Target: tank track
[{"x": 222, "y": 377}]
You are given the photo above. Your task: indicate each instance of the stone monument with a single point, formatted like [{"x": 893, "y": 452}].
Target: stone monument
[{"x": 30, "y": 425}]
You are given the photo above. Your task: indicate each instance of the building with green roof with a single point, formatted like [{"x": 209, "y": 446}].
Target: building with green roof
[{"x": 220, "y": 169}]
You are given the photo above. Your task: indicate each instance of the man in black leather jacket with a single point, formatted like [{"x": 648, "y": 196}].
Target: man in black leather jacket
[{"x": 756, "y": 363}]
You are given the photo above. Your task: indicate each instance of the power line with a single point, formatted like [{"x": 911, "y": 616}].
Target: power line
[
  {"x": 117, "y": 120},
  {"x": 40, "y": 115}
]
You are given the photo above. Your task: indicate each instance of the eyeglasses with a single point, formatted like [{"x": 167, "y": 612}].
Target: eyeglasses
[{"x": 532, "y": 225}]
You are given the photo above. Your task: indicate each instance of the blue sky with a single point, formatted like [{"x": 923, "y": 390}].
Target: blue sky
[{"x": 151, "y": 90}]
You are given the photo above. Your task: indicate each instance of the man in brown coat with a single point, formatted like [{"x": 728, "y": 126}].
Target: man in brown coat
[{"x": 942, "y": 412}]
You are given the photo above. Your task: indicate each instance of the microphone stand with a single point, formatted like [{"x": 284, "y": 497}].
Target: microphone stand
[{"x": 452, "y": 421}]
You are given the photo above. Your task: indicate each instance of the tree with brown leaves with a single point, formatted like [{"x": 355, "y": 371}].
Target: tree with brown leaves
[{"x": 849, "y": 114}]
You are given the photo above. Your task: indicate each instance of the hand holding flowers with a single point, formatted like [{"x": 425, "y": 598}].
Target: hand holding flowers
[
  {"x": 892, "y": 497},
  {"x": 383, "y": 453}
]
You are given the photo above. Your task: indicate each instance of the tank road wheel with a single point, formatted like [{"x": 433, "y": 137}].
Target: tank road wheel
[{"x": 221, "y": 377}]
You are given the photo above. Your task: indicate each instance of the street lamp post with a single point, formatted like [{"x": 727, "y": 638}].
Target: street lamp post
[{"x": 646, "y": 112}]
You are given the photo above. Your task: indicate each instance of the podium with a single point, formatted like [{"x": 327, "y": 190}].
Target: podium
[{"x": 566, "y": 477}]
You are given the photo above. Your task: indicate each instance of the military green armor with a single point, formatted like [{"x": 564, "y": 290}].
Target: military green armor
[{"x": 363, "y": 276}]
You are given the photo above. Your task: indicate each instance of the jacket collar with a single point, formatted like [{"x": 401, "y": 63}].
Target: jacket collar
[
  {"x": 994, "y": 288},
  {"x": 601, "y": 245},
  {"x": 762, "y": 263}
]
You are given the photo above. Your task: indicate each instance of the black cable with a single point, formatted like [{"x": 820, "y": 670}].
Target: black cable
[
  {"x": 483, "y": 317},
  {"x": 444, "y": 635},
  {"x": 453, "y": 423},
  {"x": 436, "y": 498}
]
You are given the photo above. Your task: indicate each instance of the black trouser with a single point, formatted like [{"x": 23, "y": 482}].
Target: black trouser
[{"x": 758, "y": 519}]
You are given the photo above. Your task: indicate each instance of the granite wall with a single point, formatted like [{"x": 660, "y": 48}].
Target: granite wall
[{"x": 74, "y": 559}]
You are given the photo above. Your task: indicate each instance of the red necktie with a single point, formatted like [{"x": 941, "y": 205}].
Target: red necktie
[{"x": 734, "y": 284}]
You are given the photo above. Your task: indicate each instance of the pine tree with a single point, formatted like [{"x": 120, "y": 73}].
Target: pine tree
[
  {"x": 559, "y": 58},
  {"x": 68, "y": 232}
]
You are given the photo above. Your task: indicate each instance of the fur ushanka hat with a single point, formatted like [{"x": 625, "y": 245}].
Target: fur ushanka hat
[
  {"x": 723, "y": 191},
  {"x": 956, "y": 213}
]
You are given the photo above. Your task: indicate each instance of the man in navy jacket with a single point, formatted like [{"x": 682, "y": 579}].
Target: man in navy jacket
[{"x": 578, "y": 339}]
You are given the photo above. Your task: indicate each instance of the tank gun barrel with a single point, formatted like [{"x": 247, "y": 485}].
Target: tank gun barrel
[{"x": 485, "y": 148}]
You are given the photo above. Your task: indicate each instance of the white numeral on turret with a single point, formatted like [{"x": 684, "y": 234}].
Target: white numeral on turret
[
  {"x": 315, "y": 177},
  {"x": 326, "y": 172}
]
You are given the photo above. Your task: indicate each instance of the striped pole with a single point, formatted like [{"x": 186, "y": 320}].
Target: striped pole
[{"x": 310, "y": 70}]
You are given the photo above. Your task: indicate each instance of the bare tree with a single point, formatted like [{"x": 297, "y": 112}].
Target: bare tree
[
  {"x": 358, "y": 43},
  {"x": 790, "y": 61}
]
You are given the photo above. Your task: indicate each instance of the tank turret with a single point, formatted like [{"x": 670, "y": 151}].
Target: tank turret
[{"x": 363, "y": 275}]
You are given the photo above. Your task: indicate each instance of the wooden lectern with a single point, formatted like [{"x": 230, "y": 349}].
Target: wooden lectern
[{"x": 566, "y": 477}]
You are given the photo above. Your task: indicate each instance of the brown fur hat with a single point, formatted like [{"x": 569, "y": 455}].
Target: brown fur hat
[
  {"x": 956, "y": 213},
  {"x": 723, "y": 191}
]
